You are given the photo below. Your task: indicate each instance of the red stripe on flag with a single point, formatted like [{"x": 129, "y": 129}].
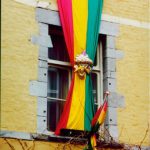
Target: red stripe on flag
[
  {"x": 105, "y": 106},
  {"x": 103, "y": 113},
  {"x": 94, "y": 120},
  {"x": 65, "y": 12}
]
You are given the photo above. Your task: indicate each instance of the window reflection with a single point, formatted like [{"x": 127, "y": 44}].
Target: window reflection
[{"x": 58, "y": 83}]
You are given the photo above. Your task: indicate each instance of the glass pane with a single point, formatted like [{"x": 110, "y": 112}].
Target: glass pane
[
  {"x": 95, "y": 107},
  {"x": 52, "y": 84},
  {"x": 94, "y": 81},
  {"x": 95, "y": 60},
  {"x": 54, "y": 111},
  {"x": 59, "y": 50},
  {"x": 58, "y": 82}
]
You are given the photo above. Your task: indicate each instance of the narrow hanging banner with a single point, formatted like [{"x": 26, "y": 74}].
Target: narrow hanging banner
[{"x": 80, "y": 21}]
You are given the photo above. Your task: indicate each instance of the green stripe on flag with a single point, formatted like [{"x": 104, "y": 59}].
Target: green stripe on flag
[{"x": 94, "y": 18}]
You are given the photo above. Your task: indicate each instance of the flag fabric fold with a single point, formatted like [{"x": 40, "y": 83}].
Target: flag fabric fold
[
  {"x": 96, "y": 122},
  {"x": 80, "y": 22}
]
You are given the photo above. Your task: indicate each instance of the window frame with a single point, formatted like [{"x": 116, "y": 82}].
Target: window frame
[
  {"x": 47, "y": 17},
  {"x": 97, "y": 69},
  {"x": 38, "y": 87}
]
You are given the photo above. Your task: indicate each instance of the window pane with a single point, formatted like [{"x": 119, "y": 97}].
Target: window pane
[
  {"x": 94, "y": 81},
  {"x": 53, "y": 86},
  {"x": 59, "y": 50},
  {"x": 95, "y": 107},
  {"x": 95, "y": 60},
  {"x": 55, "y": 109},
  {"x": 58, "y": 82}
]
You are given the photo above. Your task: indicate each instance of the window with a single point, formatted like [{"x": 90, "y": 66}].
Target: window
[{"x": 59, "y": 77}]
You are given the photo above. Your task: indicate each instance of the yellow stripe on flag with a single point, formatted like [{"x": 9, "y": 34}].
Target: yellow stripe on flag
[
  {"x": 76, "y": 116},
  {"x": 80, "y": 14},
  {"x": 102, "y": 116},
  {"x": 103, "y": 113},
  {"x": 93, "y": 142}
]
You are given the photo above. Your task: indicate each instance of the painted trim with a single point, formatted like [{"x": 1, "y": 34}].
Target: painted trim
[
  {"x": 116, "y": 100},
  {"x": 43, "y": 76},
  {"x": 38, "y": 88},
  {"x": 115, "y": 54},
  {"x": 14, "y": 134},
  {"x": 52, "y": 17},
  {"x": 34, "y": 136},
  {"x": 47, "y": 16},
  {"x": 42, "y": 40}
]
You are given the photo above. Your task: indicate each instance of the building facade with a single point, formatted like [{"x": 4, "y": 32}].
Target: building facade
[{"x": 27, "y": 31}]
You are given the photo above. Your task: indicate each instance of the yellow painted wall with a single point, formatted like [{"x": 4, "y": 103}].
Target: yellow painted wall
[
  {"x": 19, "y": 66},
  {"x": 6, "y": 144},
  {"x": 16, "y": 144},
  {"x": 131, "y": 9},
  {"x": 133, "y": 82}
]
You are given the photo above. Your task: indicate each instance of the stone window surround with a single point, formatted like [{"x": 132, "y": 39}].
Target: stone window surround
[
  {"x": 111, "y": 30},
  {"x": 38, "y": 88}
]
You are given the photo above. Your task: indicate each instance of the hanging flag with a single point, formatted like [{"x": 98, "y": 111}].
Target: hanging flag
[
  {"x": 96, "y": 122},
  {"x": 97, "y": 114},
  {"x": 100, "y": 115},
  {"x": 80, "y": 21},
  {"x": 93, "y": 142}
]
